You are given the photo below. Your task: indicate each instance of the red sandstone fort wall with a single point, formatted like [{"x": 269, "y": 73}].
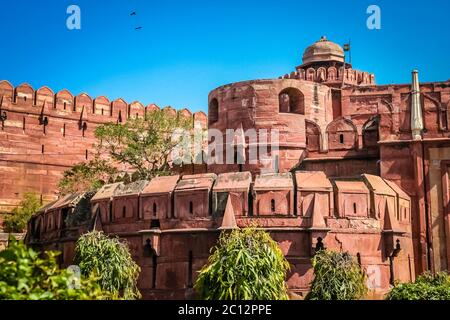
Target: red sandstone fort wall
[{"x": 45, "y": 134}]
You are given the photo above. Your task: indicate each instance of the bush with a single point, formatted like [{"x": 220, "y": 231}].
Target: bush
[
  {"x": 426, "y": 287},
  {"x": 338, "y": 276},
  {"x": 26, "y": 276},
  {"x": 245, "y": 265},
  {"x": 110, "y": 260},
  {"x": 16, "y": 221},
  {"x": 87, "y": 176}
]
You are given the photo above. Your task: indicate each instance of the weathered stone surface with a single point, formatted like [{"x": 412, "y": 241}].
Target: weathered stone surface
[{"x": 362, "y": 184}]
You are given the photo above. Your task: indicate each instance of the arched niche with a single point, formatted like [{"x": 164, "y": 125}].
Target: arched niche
[
  {"x": 332, "y": 74},
  {"x": 291, "y": 100},
  {"x": 213, "y": 111},
  {"x": 370, "y": 133},
  {"x": 312, "y": 136},
  {"x": 342, "y": 134}
]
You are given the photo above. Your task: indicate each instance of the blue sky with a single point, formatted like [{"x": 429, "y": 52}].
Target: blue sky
[{"x": 187, "y": 48}]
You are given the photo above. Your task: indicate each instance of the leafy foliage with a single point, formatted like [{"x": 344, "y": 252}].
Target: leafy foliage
[
  {"x": 246, "y": 264},
  {"x": 338, "y": 276},
  {"x": 426, "y": 287},
  {"x": 24, "y": 275},
  {"x": 110, "y": 260},
  {"x": 16, "y": 221},
  {"x": 144, "y": 145},
  {"x": 87, "y": 176}
]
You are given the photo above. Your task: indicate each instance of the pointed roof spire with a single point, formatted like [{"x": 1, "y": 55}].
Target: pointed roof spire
[
  {"x": 229, "y": 220},
  {"x": 317, "y": 220},
  {"x": 416, "y": 108},
  {"x": 390, "y": 221}
]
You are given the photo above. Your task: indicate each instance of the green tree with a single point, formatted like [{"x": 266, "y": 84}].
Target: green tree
[
  {"x": 87, "y": 176},
  {"x": 337, "y": 276},
  {"x": 25, "y": 275},
  {"x": 16, "y": 221},
  {"x": 145, "y": 145},
  {"x": 109, "y": 260},
  {"x": 427, "y": 287},
  {"x": 246, "y": 264}
]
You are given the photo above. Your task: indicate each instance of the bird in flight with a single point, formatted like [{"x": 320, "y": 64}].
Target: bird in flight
[
  {"x": 133, "y": 13},
  {"x": 138, "y": 28}
]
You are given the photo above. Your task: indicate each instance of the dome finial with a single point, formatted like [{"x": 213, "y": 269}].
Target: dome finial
[{"x": 323, "y": 38}]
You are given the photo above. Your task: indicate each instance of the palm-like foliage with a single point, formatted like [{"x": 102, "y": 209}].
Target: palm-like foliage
[
  {"x": 245, "y": 265},
  {"x": 27, "y": 275},
  {"x": 110, "y": 260},
  {"x": 338, "y": 276}
]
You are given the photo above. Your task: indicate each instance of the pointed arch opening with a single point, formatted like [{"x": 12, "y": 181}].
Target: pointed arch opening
[
  {"x": 291, "y": 100},
  {"x": 213, "y": 111}
]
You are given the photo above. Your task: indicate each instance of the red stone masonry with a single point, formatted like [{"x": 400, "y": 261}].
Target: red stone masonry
[
  {"x": 45, "y": 134},
  {"x": 361, "y": 167},
  {"x": 172, "y": 243}
]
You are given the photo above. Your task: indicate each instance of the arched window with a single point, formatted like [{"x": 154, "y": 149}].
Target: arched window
[
  {"x": 291, "y": 100},
  {"x": 213, "y": 111}
]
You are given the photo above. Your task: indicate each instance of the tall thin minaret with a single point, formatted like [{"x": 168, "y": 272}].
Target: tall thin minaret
[{"x": 416, "y": 108}]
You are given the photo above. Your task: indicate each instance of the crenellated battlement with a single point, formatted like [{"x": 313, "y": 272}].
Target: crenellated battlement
[
  {"x": 44, "y": 133},
  {"x": 172, "y": 217},
  {"x": 44, "y": 100},
  {"x": 332, "y": 76}
]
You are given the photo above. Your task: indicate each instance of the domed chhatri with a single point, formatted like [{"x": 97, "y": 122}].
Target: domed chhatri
[{"x": 323, "y": 51}]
